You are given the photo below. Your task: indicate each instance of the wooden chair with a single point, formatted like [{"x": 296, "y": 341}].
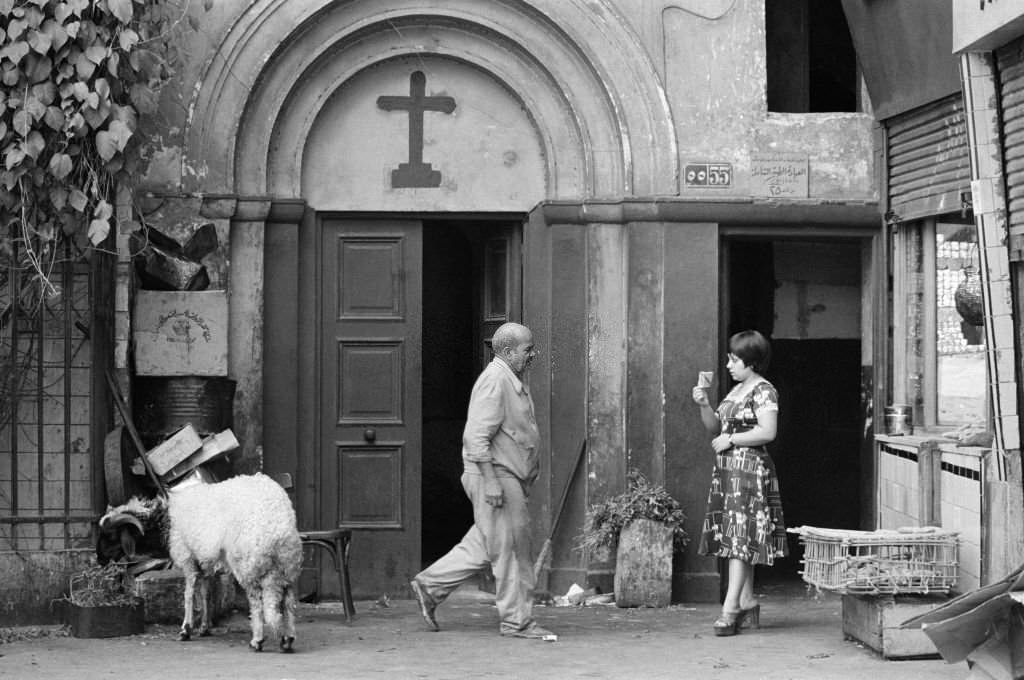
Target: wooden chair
[{"x": 336, "y": 542}]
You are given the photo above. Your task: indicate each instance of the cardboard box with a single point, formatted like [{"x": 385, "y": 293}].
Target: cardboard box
[{"x": 181, "y": 333}]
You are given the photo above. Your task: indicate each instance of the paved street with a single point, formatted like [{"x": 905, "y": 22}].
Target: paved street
[{"x": 801, "y": 637}]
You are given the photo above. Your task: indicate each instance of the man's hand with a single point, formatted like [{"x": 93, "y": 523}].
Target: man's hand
[{"x": 493, "y": 493}]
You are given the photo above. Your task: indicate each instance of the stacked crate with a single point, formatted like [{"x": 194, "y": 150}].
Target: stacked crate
[{"x": 885, "y": 577}]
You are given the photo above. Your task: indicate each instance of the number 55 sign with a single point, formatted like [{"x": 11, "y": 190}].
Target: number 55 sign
[{"x": 714, "y": 175}]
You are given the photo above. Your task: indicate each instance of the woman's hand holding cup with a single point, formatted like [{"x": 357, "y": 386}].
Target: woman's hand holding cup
[{"x": 700, "y": 390}]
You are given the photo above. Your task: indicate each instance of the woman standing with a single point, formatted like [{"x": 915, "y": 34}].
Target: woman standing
[{"x": 744, "y": 520}]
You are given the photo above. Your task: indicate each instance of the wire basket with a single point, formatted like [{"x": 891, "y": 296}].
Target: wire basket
[{"x": 910, "y": 560}]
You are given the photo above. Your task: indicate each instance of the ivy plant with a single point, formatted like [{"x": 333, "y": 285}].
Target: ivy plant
[{"x": 80, "y": 82}]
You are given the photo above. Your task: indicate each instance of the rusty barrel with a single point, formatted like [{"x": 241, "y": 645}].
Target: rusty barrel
[{"x": 162, "y": 405}]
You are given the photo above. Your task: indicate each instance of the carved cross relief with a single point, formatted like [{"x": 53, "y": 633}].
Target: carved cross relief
[{"x": 416, "y": 173}]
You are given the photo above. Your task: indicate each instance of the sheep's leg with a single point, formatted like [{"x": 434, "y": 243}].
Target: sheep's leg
[
  {"x": 288, "y": 626},
  {"x": 255, "y": 616},
  {"x": 204, "y": 605},
  {"x": 190, "y": 569}
]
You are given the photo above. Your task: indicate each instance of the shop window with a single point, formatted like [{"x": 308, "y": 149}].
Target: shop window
[
  {"x": 812, "y": 66},
  {"x": 939, "y": 343}
]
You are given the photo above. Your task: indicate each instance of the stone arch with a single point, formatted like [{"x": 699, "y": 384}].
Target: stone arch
[{"x": 594, "y": 96}]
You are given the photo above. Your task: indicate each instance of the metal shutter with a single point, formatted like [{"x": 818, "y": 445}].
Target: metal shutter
[
  {"x": 928, "y": 162},
  {"x": 1010, "y": 65}
]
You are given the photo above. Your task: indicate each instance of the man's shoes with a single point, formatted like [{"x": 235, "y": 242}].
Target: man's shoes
[
  {"x": 532, "y": 632},
  {"x": 427, "y": 605}
]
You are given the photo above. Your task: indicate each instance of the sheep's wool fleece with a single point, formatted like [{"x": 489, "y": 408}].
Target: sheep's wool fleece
[{"x": 246, "y": 522}]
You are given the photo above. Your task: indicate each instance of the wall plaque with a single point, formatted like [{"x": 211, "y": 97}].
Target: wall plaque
[{"x": 779, "y": 176}]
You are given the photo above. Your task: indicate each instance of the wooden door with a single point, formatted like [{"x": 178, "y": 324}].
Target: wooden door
[
  {"x": 498, "y": 268},
  {"x": 370, "y": 409}
]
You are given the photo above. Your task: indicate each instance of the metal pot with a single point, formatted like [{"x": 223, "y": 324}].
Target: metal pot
[{"x": 899, "y": 419}]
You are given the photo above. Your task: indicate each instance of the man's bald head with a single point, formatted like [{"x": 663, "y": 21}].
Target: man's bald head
[
  {"x": 509, "y": 336},
  {"x": 513, "y": 344}
]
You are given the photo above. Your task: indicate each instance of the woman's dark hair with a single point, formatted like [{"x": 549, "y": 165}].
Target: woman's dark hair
[{"x": 753, "y": 349}]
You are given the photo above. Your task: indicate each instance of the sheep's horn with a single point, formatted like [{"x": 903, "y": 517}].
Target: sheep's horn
[{"x": 113, "y": 519}]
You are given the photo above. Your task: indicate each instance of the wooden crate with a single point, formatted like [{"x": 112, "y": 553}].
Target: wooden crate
[{"x": 876, "y": 620}]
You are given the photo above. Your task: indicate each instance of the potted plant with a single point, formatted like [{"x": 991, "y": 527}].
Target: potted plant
[
  {"x": 644, "y": 526},
  {"x": 100, "y": 604}
]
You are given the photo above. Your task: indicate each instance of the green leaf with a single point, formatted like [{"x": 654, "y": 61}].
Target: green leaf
[
  {"x": 15, "y": 51},
  {"x": 120, "y": 132},
  {"x": 6, "y": 6},
  {"x": 45, "y": 92},
  {"x": 122, "y": 9},
  {"x": 40, "y": 41},
  {"x": 106, "y": 145},
  {"x": 77, "y": 7},
  {"x": 54, "y": 118},
  {"x": 98, "y": 231},
  {"x": 84, "y": 67},
  {"x": 58, "y": 197},
  {"x": 11, "y": 75},
  {"x": 128, "y": 39},
  {"x": 3, "y": 130},
  {"x": 35, "y": 144},
  {"x": 22, "y": 122},
  {"x": 103, "y": 210},
  {"x": 39, "y": 69},
  {"x": 78, "y": 200},
  {"x": 15, "y": 27},
  {"x": 96, "y": 54},
  {"x": 60, "y": 166},
  {"x": 58, "y": 36},
  {"x": 13, "y": 157},
  {"x": 35, "y": 108},
  {"x": 61, "y": 12},
  {"x": 80, "y": 90}
]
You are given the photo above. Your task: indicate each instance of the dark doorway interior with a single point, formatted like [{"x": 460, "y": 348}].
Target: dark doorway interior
[
  {"x": 449, "y": 370},
  {"x": 812, "y": 66},
  {"x": 817, "y": 452}
]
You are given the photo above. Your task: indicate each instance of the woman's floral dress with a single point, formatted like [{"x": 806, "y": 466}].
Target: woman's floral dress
[{"x": 744, "y": 515}]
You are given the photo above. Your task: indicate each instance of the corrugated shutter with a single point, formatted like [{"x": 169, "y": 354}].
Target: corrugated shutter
[
  {"x": 1010, "y": 64},
  {"x": 927, "y": 157}
]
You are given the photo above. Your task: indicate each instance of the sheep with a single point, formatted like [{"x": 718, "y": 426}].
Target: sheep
[{"x": 245, "y": 525}]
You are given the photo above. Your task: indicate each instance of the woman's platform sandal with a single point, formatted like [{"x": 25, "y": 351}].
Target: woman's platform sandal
[
  {"x": 750, "y": 616},
  {"x": 728, "y": 623}
]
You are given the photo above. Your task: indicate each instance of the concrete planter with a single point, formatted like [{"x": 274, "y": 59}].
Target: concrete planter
[
  {"x": 106, "y": 620},
  {"x": 643, "y": 567}
]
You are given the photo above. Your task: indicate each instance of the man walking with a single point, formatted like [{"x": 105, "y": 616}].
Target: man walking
[{"x": 499, "y": 453}]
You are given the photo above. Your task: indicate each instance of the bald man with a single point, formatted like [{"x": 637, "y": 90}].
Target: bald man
[{"x": 500, "y": 463}]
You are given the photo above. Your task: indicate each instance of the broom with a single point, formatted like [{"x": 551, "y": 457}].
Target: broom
[{"x": 544, "y": 556}]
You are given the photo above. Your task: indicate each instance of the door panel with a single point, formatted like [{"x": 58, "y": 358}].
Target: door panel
[{"x": 370, "y": 409}]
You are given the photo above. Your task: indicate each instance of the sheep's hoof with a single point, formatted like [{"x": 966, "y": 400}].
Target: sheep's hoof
[
  {"x": 286, "y": 644},
  {"x": 184, "y": 635},
  {"x": 256, "y": 645},
  {"x": 205, "y": 632}
]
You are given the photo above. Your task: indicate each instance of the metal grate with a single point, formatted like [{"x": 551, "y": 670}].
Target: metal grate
[{"x": 45, "y": 406}]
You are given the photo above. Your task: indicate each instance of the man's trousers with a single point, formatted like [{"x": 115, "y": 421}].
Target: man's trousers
[{"x": 499, "y": 538}]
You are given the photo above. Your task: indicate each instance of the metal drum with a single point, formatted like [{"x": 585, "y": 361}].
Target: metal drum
[
  {"x": 164, "y": 404},
  {"x": 899, "y": 419}
]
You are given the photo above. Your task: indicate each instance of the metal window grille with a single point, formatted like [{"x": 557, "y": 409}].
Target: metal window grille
[{"x": 45, "y": 406}]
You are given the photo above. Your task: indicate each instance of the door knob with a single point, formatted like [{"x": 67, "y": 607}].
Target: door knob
[{"x": 370, "y": 434}]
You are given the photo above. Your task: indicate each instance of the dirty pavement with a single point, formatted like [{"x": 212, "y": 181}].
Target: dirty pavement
[{"x": 800, "y": 637}]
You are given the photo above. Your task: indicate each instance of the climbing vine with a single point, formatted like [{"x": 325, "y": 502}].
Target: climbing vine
[{"x": 80, "y": 82}]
